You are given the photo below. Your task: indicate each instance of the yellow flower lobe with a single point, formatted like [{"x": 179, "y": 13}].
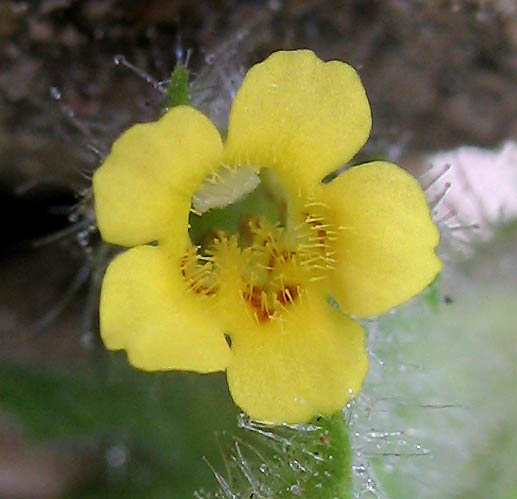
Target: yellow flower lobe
[{"x": 243, "y": 241}]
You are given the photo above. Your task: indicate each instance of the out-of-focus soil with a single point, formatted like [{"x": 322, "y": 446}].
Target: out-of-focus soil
[{"x": 438, "y": 74}]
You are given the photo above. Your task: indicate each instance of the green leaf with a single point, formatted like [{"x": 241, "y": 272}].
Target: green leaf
[
  {"x": 179, "y": 432},
  {"x": 512, "y": 494},
  {"x": 166, "y": 421},
  {"x": 456, "y": 391}
]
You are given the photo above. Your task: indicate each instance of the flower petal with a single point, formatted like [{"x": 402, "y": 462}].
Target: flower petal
[
  {"x": 300, "y": 115},
  {"x": 307, "y": 363},
  {"x": 385, "y": 247},
  {"x": 146, "y": 309},
  {"x": 143, "y": 190}
]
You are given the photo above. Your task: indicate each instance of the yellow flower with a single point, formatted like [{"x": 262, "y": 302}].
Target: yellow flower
[{"x": 250, "y": 294}]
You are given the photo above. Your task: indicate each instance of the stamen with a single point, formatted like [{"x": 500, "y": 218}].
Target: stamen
[
  {"x": 317, "y": 204},
  {"x": 196, "y": 212},
  {"x": 275, "y": 264},
  {"x": 310, "y": 261}
]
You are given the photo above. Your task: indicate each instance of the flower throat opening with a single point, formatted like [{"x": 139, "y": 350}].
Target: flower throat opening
[{"x": 245, "y": 220}]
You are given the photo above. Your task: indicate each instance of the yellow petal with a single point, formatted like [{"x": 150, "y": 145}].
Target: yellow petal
[
  {"x": 300, "y": 115},
  {"x": 146, "y": 309},
  {"x": 291, "y": 369},
  {"x": 143, "y": 190},
  {"x": 386, "y": 241}
]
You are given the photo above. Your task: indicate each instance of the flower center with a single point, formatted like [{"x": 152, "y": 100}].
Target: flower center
[{"x": 244, "y": 228}]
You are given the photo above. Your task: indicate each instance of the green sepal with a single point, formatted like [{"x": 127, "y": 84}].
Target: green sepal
[{"x": 178, "y": 91}]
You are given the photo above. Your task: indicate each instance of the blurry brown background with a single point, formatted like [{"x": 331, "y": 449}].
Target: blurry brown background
[{"x": 438, "y": 74}]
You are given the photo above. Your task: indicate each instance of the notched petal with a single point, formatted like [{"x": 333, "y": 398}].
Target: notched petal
[
  {"x": 385, "y": 248},
  {"x": 146, "y": 309},
  {"x": 300, "y": 115},
  {"x": 143, "y": 190},
  {"x": 309, "y": 362}
]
